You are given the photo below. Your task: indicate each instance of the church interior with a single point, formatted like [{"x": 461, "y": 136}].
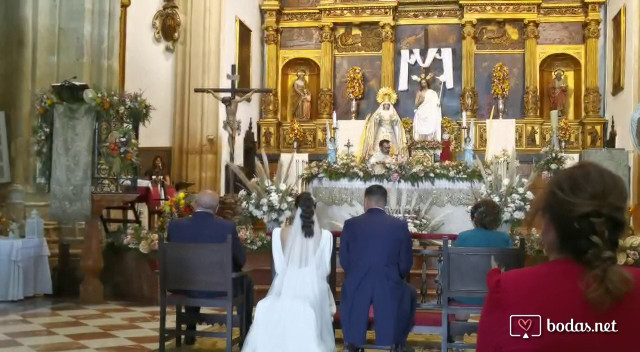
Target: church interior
[{"x": 114, "y": 114}]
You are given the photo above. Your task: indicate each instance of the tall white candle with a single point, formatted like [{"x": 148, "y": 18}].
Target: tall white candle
[
  {"x": 464, "y": 119},
  {"x": 334, "y": 119}
]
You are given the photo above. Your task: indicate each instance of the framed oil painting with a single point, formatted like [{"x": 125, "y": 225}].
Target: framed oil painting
[
  {"x": 618, "y": 46},
  {"x": 243, "y": 50}
]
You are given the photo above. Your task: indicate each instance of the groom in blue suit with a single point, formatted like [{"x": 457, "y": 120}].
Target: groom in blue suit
[{"x": 376, "y": 255}]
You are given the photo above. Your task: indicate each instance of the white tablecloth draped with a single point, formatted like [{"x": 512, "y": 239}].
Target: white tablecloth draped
[{"x": 24, "y": 268}]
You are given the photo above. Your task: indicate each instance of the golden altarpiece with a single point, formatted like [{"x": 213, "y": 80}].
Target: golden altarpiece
[{"x": 310, "y": 43}]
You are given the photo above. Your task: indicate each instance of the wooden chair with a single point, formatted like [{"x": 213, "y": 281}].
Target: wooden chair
[
  {"x": 464, "y": 274},
  {"x": 198, "y": 267}
]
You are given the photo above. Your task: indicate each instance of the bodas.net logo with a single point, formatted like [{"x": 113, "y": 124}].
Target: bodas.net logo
[{"x": 525, "y": 325}]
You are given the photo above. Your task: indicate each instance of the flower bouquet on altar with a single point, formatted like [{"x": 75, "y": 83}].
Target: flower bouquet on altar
[
  {"x": 266, "y": 199},
  {"x": 179, "y": 206},
  {"x": 552, "y": 162},
  {"x": 141, "y": 239},
  {"x": 502, "y": 184}
]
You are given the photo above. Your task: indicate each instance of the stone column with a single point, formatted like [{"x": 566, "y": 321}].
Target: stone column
[
  {"x": 325, "y": 97},
  {"x": 592, "y": 98},
  {"x": 531, "y": 95},
  {"x": 469, "y": 97},
  {"x": 388, "y": 55}
]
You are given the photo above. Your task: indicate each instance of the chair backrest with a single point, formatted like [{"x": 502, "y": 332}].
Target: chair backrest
[
  {"x": 465, "y": 268},
  {"x": 196, "y": 266}
]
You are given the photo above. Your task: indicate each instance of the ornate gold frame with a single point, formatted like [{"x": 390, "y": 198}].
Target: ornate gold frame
[
  {"x": 241, "y": 64},
  {"x": 618, "y": 47},
  {"x": 166, "y": 24}
]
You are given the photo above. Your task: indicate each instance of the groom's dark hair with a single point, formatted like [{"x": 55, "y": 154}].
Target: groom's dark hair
[{"x": 377, "y": 194}]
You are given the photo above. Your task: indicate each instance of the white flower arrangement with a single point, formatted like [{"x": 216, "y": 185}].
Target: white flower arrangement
[
  {"x": 141, "y": 239},
  {"x": 416, "y": 217},
  {"x": 504, "y": 186},
  {"x": 265, "y": 199}
]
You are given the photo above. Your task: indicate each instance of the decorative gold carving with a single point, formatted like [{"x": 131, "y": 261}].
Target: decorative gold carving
[
  {"x": 388, "y": 34},
  {"x": 592, "y": 29},
  {"x": 368, "y": 40},
  {"x": 325, "y": 102},
  {"x": 484, "y": 9},
  {"x": 519, "y": 136},
  {"x": 532, "y": 31},
  {"x": 594, "y": 8},
  {"x": 531, "y": 101},
  {"x": 270, "y": 104},
  {"x": 562, "y": 11},
  {"x": 428, "y": 13},
  {"x": 469, "y": 30},
  {"x": 592, "y": 101},
  {"x": 270, "y": 35},
  {"x": 499, "y": 35},
  {"x": 327, "y": 34},
  {"x": 358, "y": 11},
  {"x": 482, "y": 136},
  {"x": 271, "y": 14},
  {"x": 469, "y": 100},
  {"x": 301, "y": 16},
  {"x": 166, "y": 24}
]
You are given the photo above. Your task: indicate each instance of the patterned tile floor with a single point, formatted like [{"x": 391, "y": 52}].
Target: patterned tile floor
[{"x": 44, "y": 325}]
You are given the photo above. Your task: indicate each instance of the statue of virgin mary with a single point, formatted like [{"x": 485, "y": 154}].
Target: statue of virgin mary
[{"x": 384, "y": 123}]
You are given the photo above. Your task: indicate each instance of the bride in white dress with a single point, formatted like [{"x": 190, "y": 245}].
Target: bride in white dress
[{"x": 297, "y": 312}]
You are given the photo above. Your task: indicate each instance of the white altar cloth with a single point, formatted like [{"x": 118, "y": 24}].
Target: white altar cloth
[
  {"x": 340, "y": 200},
  {"x": 24, "y": 268}
]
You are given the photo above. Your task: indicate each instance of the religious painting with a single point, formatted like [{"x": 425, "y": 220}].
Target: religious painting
[
  {"x": 520, "y": 136},
  {"x": 299, "y": 3},
  {"x": 267, "y": 138},
  {"x": 423, "y": 37},
  {"x": 514, "y": 105},
  {"x": 372, "y": 67},
  {"x": 594, "y": 136},
  {"x": 500, "y": 35},
  {"x": 566, "y": 33},
  {"x": 300, "y": 38},
  {"x": 364, "y": 38},
  {"x": 618, "y": 46},
  {"x": 243, "y": 54}
]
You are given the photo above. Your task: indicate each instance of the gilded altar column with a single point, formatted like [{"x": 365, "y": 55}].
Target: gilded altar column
[
  {"x": 469, "y": 97},
  {"x": 325, "y": 97},
  {"x": 388, "y": 55},
  {"x": 270, "y": 100},
  {"x": 531, "y": 95},
  {"x": 592, "y": 96}
]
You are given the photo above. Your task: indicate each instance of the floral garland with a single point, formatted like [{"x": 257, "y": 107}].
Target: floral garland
[
  {"x": 565, "y": 130},
  {"x": 127, "y": 110},
  {"x": 295, "y": 132},
  {"x": 413, "y": 171},
  {"x": 553, "y": 161},
  {"x": 500, "y": 81},
  {"x": 355, "y": 83}
]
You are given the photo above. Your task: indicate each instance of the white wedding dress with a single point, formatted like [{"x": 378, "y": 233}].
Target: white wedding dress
[{"x": 296, "y": 315}]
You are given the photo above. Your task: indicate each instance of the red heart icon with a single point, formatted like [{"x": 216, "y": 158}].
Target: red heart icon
[{"x": 524, "y": 324}]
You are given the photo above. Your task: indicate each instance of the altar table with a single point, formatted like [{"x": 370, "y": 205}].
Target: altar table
[
  {"x": 24, "y": 268},
  {"x": 340, "y": 200}
]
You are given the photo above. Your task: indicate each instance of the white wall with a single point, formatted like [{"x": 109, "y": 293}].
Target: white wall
[
  {"x": 622, "y": 105},
  {"x": 150, "y": 69},
  {"x": 249, "y": 13}
]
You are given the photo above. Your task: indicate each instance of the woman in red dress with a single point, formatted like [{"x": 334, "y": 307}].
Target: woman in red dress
[{"x": 559, "y": 305}]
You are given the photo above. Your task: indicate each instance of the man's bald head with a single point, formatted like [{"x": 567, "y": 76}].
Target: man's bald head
[{"x": 207, "y": 200}]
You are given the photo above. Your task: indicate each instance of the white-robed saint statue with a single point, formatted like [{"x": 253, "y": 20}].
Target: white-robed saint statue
[
  {"x": 384, "y": 123},
  {"x": 427, "y": 121}
]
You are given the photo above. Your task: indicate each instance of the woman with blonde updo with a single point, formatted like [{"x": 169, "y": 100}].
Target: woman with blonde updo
[{"x": 581, "y": 288}]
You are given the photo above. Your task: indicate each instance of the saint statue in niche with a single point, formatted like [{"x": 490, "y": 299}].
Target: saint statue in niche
[
  {"x": 427, "y": 121},
  {"x": 306, "y": 105},
  {"x": 559, "y": 92},
  {"x": 300, "y": 91}
]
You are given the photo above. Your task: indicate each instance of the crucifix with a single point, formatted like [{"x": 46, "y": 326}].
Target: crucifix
[
  {"x": 348, "y": 145},
  {"x": 231, "y": 124}
]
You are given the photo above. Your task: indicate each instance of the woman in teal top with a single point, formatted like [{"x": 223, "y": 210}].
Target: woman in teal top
[{"x": 486, "y": 216}]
